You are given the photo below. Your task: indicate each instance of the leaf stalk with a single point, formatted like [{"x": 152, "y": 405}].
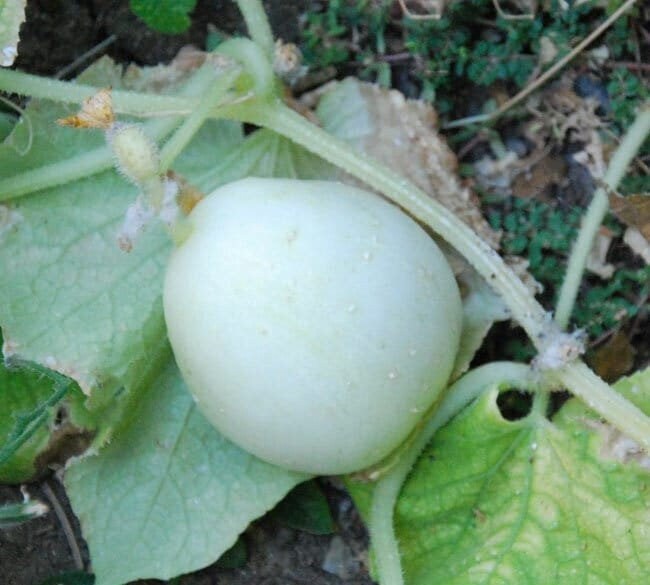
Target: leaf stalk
[
  {"x": 387, "y": 489},
  {"x": 593, "y": 218}
]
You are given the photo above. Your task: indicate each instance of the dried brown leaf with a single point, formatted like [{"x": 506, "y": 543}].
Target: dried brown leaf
[
  {"x": 402, "y": 134},
  {"x": 536, "y": 182},
  {"x": 613, "y": 359},
  {"x": 96, "y": 112},
  {"x": 633, "y": 211}
]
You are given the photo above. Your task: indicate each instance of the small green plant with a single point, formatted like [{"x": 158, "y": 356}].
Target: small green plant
[
  {"x": 469, "y": 45},
  {"x": 170, "y": 17}
]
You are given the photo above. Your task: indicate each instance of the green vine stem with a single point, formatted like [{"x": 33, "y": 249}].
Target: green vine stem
[
  {"x": 289, "y": 123},
  {"x": 181, "y": 138},
  {"x": 575, "y": 376},
  {"x": 256, "y": 64},
  {"x": 387, "y": 489},
  {"x": 55, "y": 174},
  {"x": 100, "y": 159},
  {"x": 258, "y": 25},
  {"x": 124, "y": 102},
  {"x": 595, "y": 214}
]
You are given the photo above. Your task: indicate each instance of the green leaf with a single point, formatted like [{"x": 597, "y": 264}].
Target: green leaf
[
  {"x": 72, "y": 300},
  {"x": 7, "y": 122},
  {"x": 265, "y": 154},
  {"x": 169, "y": 494},
  {"x": 12, "y": 15},
  {"x": 165, "y": 16},
  {"x": 28, "y": 399},
  {"x": 306, "y": 508},
  {"x": 529, "y": 501}
]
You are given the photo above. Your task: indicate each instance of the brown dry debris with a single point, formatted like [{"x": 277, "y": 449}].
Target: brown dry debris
[
  {"x": 404, "y": 137},
  {"x": 597, "y": 259},
  {"x": 613, "y": 359},
  {"x": 96, "y": 112},
  {"x": 633, "y": 211},
  {"x": 618, "y": 447},
  {"x": 536, "y": 181}
]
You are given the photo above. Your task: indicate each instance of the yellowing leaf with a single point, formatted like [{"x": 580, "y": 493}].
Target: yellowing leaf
[{"x": 527, "y": 502}]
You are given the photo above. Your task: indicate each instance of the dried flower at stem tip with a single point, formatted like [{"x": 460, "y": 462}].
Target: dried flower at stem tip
[{"x": 96, "y": 112}]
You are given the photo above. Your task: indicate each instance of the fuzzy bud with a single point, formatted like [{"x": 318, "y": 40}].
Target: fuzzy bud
[{"x": 136, "y": 154}]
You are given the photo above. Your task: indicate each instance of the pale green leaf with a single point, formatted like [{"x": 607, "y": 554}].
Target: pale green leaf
[
  {"x": 532, "y": 502},
  {"x": 265, "y": 154},
  {"x": 72, "y": 300},
  {"x": 12, "y": 15},
  {"x": 169, "y": 495}
]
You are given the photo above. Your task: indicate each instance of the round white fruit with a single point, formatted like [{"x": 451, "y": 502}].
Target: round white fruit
[{"x": 313, "y": 322}]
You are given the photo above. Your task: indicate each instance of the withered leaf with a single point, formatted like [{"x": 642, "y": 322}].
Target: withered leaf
[{"x": 633, "y": 211}]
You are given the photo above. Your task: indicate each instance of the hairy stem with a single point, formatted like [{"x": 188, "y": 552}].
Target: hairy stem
[
  {"x": 591, "y": 221},
  {"x": 387, "y": 489},
  {"x": 258, "y": 25},
  {"x": 124, "y": 102},
  {"x": 256, "y": 64},
  {"x": 100, "y": 159},
  {"x": 181, "y": 138},
  {"x": 488, "y": 263}
]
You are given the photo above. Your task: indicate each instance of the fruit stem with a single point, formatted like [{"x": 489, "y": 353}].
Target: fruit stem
[{"x": 258, "y": 25}]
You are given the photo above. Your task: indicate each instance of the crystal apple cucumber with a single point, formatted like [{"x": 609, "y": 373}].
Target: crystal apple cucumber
[{"x": 313, "y": 322}]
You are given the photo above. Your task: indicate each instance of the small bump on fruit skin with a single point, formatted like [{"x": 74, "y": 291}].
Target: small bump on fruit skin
[{"x": 313, "y": 322}]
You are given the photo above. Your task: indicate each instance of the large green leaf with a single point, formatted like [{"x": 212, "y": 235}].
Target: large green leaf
[
  {"x": 265, "y": 154},
  {"x": 169, "y": 494},
  {"x": 73, "y": 301},
  {"x": 531, "y": 501}
]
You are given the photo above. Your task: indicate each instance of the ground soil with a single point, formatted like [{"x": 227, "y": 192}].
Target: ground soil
[{"x": 54, "y": 36}]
